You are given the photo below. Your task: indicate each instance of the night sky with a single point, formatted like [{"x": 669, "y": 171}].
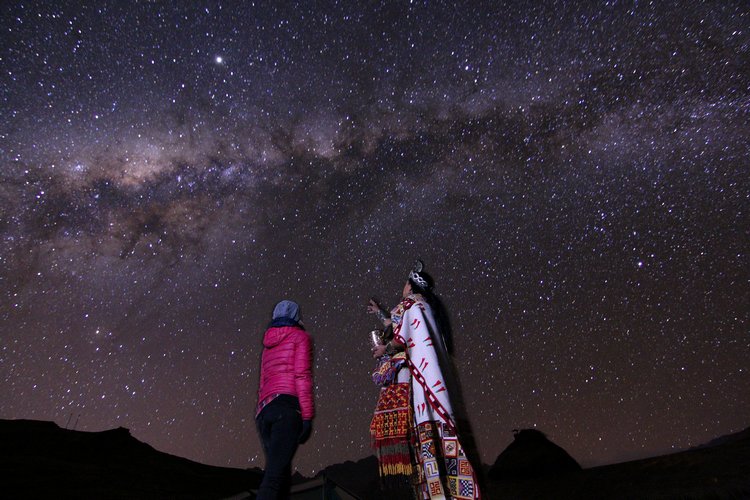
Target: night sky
[{"x": 574, "y": 176}]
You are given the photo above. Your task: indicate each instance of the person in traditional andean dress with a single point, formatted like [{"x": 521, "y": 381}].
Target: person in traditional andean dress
[{"x": 414, "y": 428}]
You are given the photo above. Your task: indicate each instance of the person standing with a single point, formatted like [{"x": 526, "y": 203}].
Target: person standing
[
  {"x": 285, "y": 408},
  {"x": 441, "y": 467}
]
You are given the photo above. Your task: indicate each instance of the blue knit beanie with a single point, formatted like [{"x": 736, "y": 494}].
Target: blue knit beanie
[{"x": 287, "y": 309}]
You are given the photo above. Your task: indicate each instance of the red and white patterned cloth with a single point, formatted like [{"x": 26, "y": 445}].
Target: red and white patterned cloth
[{"x": 435, "y": 430}]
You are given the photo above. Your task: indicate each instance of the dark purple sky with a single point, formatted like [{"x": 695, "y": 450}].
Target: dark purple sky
[{"x": 575, "y": 179}]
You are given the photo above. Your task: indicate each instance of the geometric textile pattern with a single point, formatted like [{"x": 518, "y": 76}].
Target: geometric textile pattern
[
  {"x": 437, "y": 448},
  {"x": 444, "y": 472},
  {"x": 391, "y": 418},
  {"x": 390, "y": 431}
]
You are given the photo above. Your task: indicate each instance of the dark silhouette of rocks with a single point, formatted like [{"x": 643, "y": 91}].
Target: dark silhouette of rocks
[
  {"x": 41, "y": 460},
  {"x": 718, "y": 470},
  {"x": 360, "y": 478},
  {"x": 738, "y": 436},
  {"x": 532, "y": 455}
]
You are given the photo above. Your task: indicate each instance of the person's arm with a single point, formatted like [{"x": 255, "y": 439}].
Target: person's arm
[
  {"x": 390, "y": 348},
  {"x": 374, "y": 308},
  {"x": 303, "y": 379}
]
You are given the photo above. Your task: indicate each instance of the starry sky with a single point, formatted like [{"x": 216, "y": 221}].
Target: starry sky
[{"x": 573, "y": 174}]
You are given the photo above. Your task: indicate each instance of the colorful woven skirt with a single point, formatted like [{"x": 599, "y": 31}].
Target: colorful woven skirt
[{"x": 390, "y": 428}]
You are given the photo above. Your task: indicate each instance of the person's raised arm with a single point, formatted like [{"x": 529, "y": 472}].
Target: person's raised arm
[{"x": 374, "y": 308}]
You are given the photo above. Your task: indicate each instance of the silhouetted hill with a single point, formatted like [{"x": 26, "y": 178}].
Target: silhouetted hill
[
  {"x": 714, "y": 471},
  {"x": 530, "y": 455},
  {"x": 41, "y": 460},
  {"x": 360, "y": 477},
  {"x": 730, "y": 438}
]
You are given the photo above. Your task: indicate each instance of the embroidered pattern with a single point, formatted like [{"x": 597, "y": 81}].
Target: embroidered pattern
[
  {"x": 440, "y": 468},
  {"x": 391, "y": 419},
  {"x": 390, "y": 429},
  {"x": 437, "y": 472},
  {"x": 387, "y": 369}
]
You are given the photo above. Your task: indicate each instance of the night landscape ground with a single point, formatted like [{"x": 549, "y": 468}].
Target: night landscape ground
[{"x": 41, "y": 460}]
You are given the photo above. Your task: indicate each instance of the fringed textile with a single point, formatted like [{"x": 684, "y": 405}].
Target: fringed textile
[{"x": 390, "y": 428}]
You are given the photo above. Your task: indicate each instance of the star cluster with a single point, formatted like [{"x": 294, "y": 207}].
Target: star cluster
[{"x": 574, "y": 175}]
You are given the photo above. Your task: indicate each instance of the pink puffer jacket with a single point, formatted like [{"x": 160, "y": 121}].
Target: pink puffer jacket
[{"x": 286, "y": 366}]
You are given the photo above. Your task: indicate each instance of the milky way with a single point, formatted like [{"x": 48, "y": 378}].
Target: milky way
[{"x": 574, "y": 177}]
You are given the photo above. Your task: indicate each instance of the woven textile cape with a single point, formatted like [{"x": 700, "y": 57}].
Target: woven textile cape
[{"x": 443, "y": 470}]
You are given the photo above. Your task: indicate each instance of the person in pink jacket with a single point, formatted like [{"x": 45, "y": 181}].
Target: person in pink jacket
[{"x": 285, "y": 409}]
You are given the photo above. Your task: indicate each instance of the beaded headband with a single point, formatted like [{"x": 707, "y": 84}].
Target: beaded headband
[{"x": 416, "y": 278}]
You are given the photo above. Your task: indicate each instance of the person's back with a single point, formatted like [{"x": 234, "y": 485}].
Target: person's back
[{"x": 285, "y": 366}]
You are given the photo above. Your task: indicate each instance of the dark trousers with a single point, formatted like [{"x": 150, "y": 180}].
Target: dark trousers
[{"x": 279, "y": 425}]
